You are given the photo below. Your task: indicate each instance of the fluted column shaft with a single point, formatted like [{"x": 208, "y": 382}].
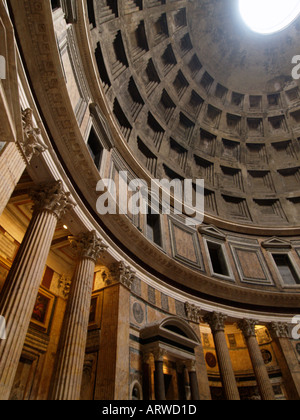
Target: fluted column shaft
[
  {"x": 15, "y": 158},
  {"x": 12, "y": 165},
  {"x": 22, "y": 284},
  {"x": 216, "y": 322},
  {"x": 191, "y": 366},
  {"x": 71, "y": 351},
  {"x": 259, "y": 367}
]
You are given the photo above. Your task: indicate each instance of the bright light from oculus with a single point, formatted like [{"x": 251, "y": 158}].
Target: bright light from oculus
[{"x": 269, "y": 16}]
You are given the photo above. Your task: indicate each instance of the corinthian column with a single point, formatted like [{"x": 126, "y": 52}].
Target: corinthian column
[
  {"x": 247, "y": 326},
  {"x": 287, "y": 359},
  {"x": 22, "y": 284},
  {"x": 71, "y": 350},
  {"x": 159, "y": 380},
  {"x": 216, "y": 323}
]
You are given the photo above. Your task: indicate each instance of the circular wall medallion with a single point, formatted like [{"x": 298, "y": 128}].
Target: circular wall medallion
[
  {"x": 138, "y": 313},
  {"x": 211, "y": 360}
]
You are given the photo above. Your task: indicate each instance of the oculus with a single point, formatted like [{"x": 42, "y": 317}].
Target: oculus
[{"x": 269, "y": 16}]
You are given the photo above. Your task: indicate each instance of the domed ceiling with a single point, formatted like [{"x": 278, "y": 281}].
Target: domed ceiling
[{"x": 197, "y": 94}]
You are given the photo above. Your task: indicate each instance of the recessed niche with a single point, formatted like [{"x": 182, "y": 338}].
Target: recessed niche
[
  {"x": 210, "y": 201},
  {"x": 255, "y": 126},
  {"x": 137, "y": 102},
  {"x": 221, "y": 92},
  {"x": 152, "y": 3},
  {"x": 213, "y": 116},
  {"x": 261, "y": 181},
  {"x": 194, "y": 65},
  {"x": 168, "y": 59},
  {"x": 185, "y": 44},
  {"x": 180, "y": 84},
  {"x": 160, "y": 27},
  {"x": 132, "y": 6},
  {"x": 255, "y": 102},
  {"x": 119, "y": 58},
  {"x": 178, "y": 154},
  {"x": 207, "y": 143},
  {"x": 231, "y": 178},
  {"x": 166, "y": 106},
  {"x": 139, "y": 41},
  {"x": 185, "y": 128},
  {"x": 256, "y": 153},
  {"x": 274, "y": 100},
  {"x": 150, "y": 77},
  {"x": 270, "y": 210},
  {"x": 101, "y": 67},
  {"x": 204, "y": 169},
  {"x": 195, "y": 103},
  {"x": 155, "y": 131},
  {"x": 278, "y": 123},
  {"x": 206, "y": 82},
  {"x": 108, "y": 11},
  {"x": 180, "y": 18},
  {"x": 124, "y": 124},
  {"x": 296, "y": 116},
  {"x": 236, "y": 207},
  {"x": 170, "y": 174},
  {"x": 148, "y": 158},
  {"x": 292, "y": 94},
  {"x": 231, "y": 150},
  {"x": 237, "y": 99},
  {"x": 233, "y": 123},
  {"x": 290, "y": 178},
  {"x": 284, "y": 150}
]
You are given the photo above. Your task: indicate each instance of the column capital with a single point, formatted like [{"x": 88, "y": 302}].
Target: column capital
[
  {"x": 32, "y": 142},
  {"x": 191, "y": 365},
  {"x": 247, "y": 326},
  {"x": 87, "y": 246},
  {"x": 278, "y": 329},
  {"x": 52, "y": 198},
  {"x": 123, "y": 274},
  {"x": 147, "y": 357},
  {"x": 159, "y": 354},
  {"x": 216, "y": 321},
  {"x": 193, "y": 312}
]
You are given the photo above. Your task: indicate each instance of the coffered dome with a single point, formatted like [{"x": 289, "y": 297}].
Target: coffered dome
[{"x": 197, "y": 94}]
